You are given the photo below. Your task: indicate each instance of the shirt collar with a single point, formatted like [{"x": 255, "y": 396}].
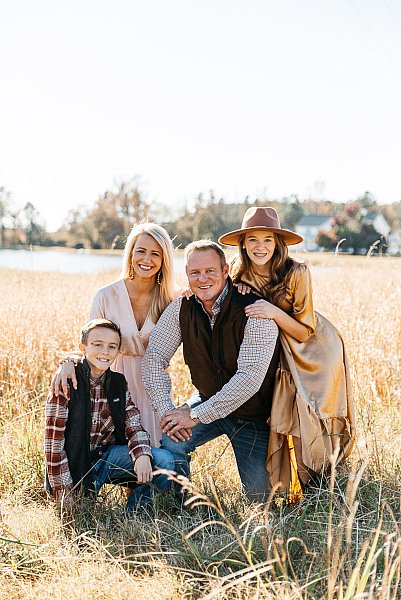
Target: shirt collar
[
  {"x": 97, "y": 380},
  {"x": 218, "y": 302}
]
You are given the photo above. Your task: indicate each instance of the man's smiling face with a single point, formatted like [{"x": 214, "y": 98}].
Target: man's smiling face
[{"x": 206, "y": 276}]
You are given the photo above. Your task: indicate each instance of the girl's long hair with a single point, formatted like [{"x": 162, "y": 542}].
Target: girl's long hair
[
  {"x": 164, "y": 293},
  {"x": 282, "y": 267}
]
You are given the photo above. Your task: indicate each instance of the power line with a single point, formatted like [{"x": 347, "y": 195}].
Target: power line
[
  {"x": 376, "y": 39},
  {"x": 395, "y": 19}
]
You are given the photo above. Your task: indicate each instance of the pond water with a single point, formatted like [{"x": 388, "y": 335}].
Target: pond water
[{"x": 74, "y": 261}]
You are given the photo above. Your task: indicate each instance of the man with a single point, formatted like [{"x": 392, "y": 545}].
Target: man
[{"x": 232, "y": 360}]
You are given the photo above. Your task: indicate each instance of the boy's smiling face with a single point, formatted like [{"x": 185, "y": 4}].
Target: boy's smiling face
[{"x": 101, "y": 349}]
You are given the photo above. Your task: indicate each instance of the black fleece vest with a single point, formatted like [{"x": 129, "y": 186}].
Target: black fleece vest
[
  {"x": 211, "y": 354},
  {"x": 77, "y": 433}
]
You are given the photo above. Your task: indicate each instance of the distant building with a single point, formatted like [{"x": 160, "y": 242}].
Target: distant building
[
  {"x": 379, "y": 224},
  {"x": 309, "y": 226},
  {"x": 394, "y": 243}
]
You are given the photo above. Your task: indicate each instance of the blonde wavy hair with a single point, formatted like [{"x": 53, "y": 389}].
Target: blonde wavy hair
[
  {"x": 164, "y": 293},
  {"x": 282, "y": 266}
]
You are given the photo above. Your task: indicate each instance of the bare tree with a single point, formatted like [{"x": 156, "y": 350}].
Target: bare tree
[
  {"x": 4, "y": 202},
  {"x": 33, "y": 227},
  {"x": 129, "y": 200}
]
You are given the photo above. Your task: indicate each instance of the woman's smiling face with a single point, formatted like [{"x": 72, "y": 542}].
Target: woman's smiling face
[
  {"x": 259, "y": 245},
  {"x": 147, "y": 256}
]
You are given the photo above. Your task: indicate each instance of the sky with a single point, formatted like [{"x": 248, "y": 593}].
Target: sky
[{"x": 258, "y": 98}]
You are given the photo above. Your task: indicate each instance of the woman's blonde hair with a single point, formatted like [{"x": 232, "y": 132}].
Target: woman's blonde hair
[
  {"x": 282, "y": 267},
  {"x": 163, "y": 293}
]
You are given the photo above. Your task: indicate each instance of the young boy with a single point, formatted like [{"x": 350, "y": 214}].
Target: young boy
[{"x": 94, "y": 434}]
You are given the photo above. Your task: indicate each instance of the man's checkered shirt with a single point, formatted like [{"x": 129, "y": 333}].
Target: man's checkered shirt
[{"x": 254, "y": 357}]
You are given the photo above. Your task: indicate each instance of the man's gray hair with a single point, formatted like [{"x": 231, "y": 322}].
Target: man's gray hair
[{"x": 202, "y": 246}]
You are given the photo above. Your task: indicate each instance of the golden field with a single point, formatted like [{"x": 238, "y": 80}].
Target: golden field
[{"x": 342, "y": 541}]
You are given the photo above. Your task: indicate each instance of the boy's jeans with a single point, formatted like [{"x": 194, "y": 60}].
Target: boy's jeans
[{"x": 114, "y": 465}]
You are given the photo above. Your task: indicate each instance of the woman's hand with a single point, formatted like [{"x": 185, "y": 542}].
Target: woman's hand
[
  {"x": 262, "y": 309},
  {"x": 59, "y": 381},
  {"x": 143, "y": 469},
  {"x": 243, "y": 288}
]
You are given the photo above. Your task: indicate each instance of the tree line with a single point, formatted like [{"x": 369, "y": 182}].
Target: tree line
[{"x": 107, "y": 223}]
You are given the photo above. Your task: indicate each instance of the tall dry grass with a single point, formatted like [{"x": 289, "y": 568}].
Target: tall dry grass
[{"x": 342, "y": 541}]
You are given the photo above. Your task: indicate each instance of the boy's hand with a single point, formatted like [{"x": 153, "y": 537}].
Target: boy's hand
[
  {"x": 65, "y": 498},
  {"x": 143, "y": 469},
  {"x": 60, "y": 493},
  {"x": 66, "y": 501}
]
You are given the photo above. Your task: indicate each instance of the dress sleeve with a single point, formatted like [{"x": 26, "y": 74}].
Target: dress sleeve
[
  {"x": 98, "y": 308},
  {"x": 302, "y": 293}
]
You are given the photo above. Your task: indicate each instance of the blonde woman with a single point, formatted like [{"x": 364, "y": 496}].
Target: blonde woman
[
  {"x": 312, "y": 405},
  {"x": 135, "y": 302}
]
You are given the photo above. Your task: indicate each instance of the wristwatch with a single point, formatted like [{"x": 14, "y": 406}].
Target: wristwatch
[{"x": 194, "y": 415}]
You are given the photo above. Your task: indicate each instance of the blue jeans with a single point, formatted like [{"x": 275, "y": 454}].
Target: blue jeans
[
  {"x": 115, "y": 466},
  {"x": 249, "y": 440}
]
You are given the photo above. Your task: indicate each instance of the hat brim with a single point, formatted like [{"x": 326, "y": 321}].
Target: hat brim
[{"x": 232, "y": 237}]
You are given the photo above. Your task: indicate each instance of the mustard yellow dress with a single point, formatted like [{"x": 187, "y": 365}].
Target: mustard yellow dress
[{"x": 312, "y": 397}]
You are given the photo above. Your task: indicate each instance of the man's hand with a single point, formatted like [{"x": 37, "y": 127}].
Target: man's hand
[
  {"x": 177, "y": 424},
  {"x": 143, "y": 469}
]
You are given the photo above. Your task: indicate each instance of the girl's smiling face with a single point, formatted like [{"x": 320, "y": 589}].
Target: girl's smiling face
[{"x": 259, "y": 246}]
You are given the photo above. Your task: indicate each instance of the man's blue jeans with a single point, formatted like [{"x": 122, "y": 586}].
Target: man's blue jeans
[
  {"x": 115, "y": 466},
  {"x": 249, "y": 440}
]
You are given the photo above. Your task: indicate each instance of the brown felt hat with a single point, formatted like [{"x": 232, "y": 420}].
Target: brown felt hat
[{"x": 260, "y": 217}]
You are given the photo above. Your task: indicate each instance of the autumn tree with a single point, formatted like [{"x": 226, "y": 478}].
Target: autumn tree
[
  {"x": 291, "y": 211},
  {"x": 327, "y": 239},
  {"x": 108, "y": 223},
  {"x": 129, "y": 201}
]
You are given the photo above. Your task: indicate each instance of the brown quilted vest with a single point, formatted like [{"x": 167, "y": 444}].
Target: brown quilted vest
[{"x": 211, "y": 354}]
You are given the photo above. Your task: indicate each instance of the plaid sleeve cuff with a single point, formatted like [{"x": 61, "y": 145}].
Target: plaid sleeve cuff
[{"x": 140, "y": 451}]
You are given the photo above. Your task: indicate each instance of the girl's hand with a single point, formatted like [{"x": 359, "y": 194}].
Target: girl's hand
[
  {"x": 187, "y": 293},
  {"x": 143, "y": 469},
  {"x": 261, "y": 309},
  {"x": 243, "y": 288}
]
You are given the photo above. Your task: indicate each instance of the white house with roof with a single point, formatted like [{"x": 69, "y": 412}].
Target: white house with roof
[
  {"x": 309, "y": 226},
  {"x": 379, "y": 224},
  {"x": 394, "y": 243}
]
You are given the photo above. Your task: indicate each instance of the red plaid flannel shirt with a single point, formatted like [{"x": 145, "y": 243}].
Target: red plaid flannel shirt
[{"x": 101, "y": 433}]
